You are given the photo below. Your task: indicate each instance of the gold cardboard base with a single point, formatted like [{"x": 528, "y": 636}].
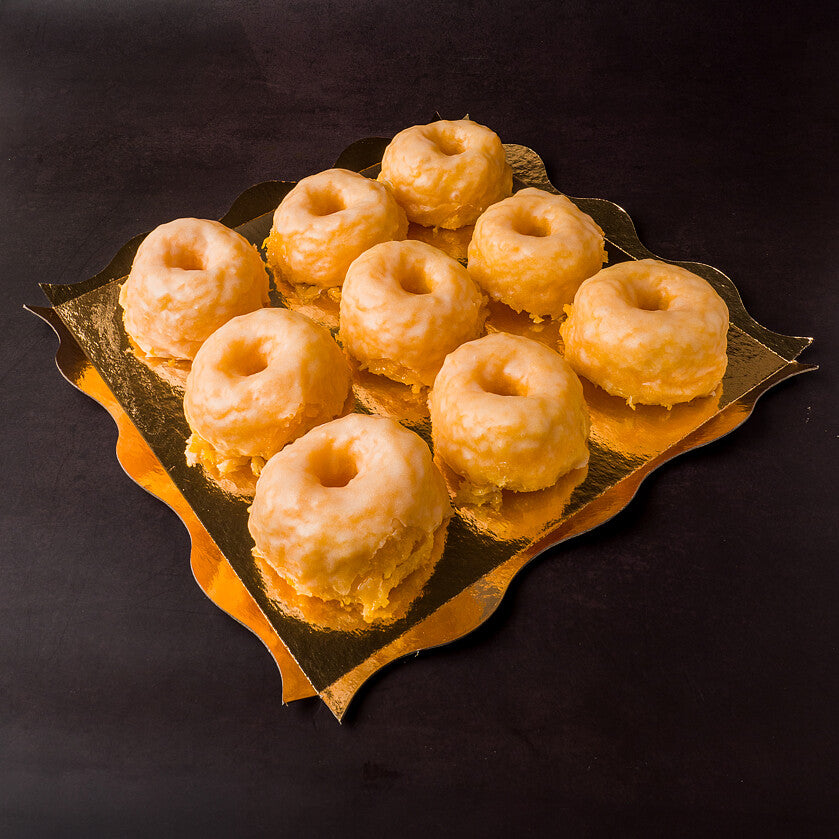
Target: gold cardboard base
[
  {"x": 211, "y": 570},
  {"x": 453, "y": 620},
  {"x": 492, "y": 545}
]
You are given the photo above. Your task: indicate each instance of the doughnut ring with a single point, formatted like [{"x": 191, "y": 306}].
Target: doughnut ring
[
  {"x": 349, "y": 512},
  {"x": 649, "y": 332},
  {"x": 404, "y": 307},
  {"x": 190, "y": 276},
  {"x": 260, "y": 381},
  {"x": 533, "y": 250},
  {"x": 446, "y": 173},
  {"x": 328, "y": 220},
  {"x": 508, "y": 412}
]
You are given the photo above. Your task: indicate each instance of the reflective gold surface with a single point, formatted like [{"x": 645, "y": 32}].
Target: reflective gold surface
[
  {"x": 487, "y": 545},
  {"x": 209, "y": 566}
]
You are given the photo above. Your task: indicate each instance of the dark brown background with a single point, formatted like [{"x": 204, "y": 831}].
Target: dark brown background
[{"x": 674, "y": 672}]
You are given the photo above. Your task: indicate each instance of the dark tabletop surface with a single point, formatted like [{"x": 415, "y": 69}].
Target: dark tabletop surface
[{"x": 672, "y": 673}]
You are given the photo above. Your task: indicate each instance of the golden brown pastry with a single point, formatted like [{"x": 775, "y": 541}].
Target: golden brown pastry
[
  {"x": 189, "y": 277},
  {"x": 446, "y": 173},
  {"x": 348, "y": 513},
  {"x": 508, "y": 412},
  {"x": 533, "y": 250},
  {"x": 404, "y": 307},
  {"x": 647, "y": 331},
  {"x": 328, "y": 220},
  {"x": 260, "y": 381}
]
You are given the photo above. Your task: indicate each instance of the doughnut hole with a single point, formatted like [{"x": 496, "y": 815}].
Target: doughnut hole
[
  {"x": 325, "y": 202},
  {"x": 186, "y": 257},
  {"x": 413, "y": 279},
  {"x": 500, "y": 383},
  {"x": 334, "y": 467},
  {"x": 246, "y": 359},
  {"x": 649, "y": 298},
  {"x": 449, "y": 143},
  {"x": 529, "y": 224}
]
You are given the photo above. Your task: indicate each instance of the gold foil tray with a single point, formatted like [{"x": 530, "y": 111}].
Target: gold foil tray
[{"x": 486, "y": 547}]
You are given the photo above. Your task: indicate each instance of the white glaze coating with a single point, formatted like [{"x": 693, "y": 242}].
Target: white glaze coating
[
  {"x": 533, "y": 250},
  {"x": 326, "y": 221},
  {"x": 405, "y": 306},
  {"x": 509, "y": 412},
  {"x": 446, "y": 173},
  {"x": 189, "y": 277},
  {"x": 649, "y": 332},
  {"x": 349, "y": 510}
]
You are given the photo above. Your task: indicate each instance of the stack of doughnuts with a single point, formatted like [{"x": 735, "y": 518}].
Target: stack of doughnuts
[
  {"x": 354, "y": 513},
  {"x": 349, "y": 511}
]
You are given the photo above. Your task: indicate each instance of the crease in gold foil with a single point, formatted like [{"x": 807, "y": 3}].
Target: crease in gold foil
[{"x": 487, "y": 544}]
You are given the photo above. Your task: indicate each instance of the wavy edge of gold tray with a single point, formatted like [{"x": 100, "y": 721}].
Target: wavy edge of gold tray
[
  {"x": 210, "y": 568},
  {"x": 475, "y": 604}
]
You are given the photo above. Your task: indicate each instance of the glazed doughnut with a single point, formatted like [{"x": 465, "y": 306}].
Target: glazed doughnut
[
  {"x": 349, "y": 512},
  {"x": 188, "y": 278},
  {"x": 508, "y": 412},
  {"x": 328, "y": 220},
  {"x": 446, "y": 173},
  {"x": 649, "y": 332},
  {"x": 404, "y": 307},
  {"x": 533, "y": 250},
  {"x": 260, "y": 381}
]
